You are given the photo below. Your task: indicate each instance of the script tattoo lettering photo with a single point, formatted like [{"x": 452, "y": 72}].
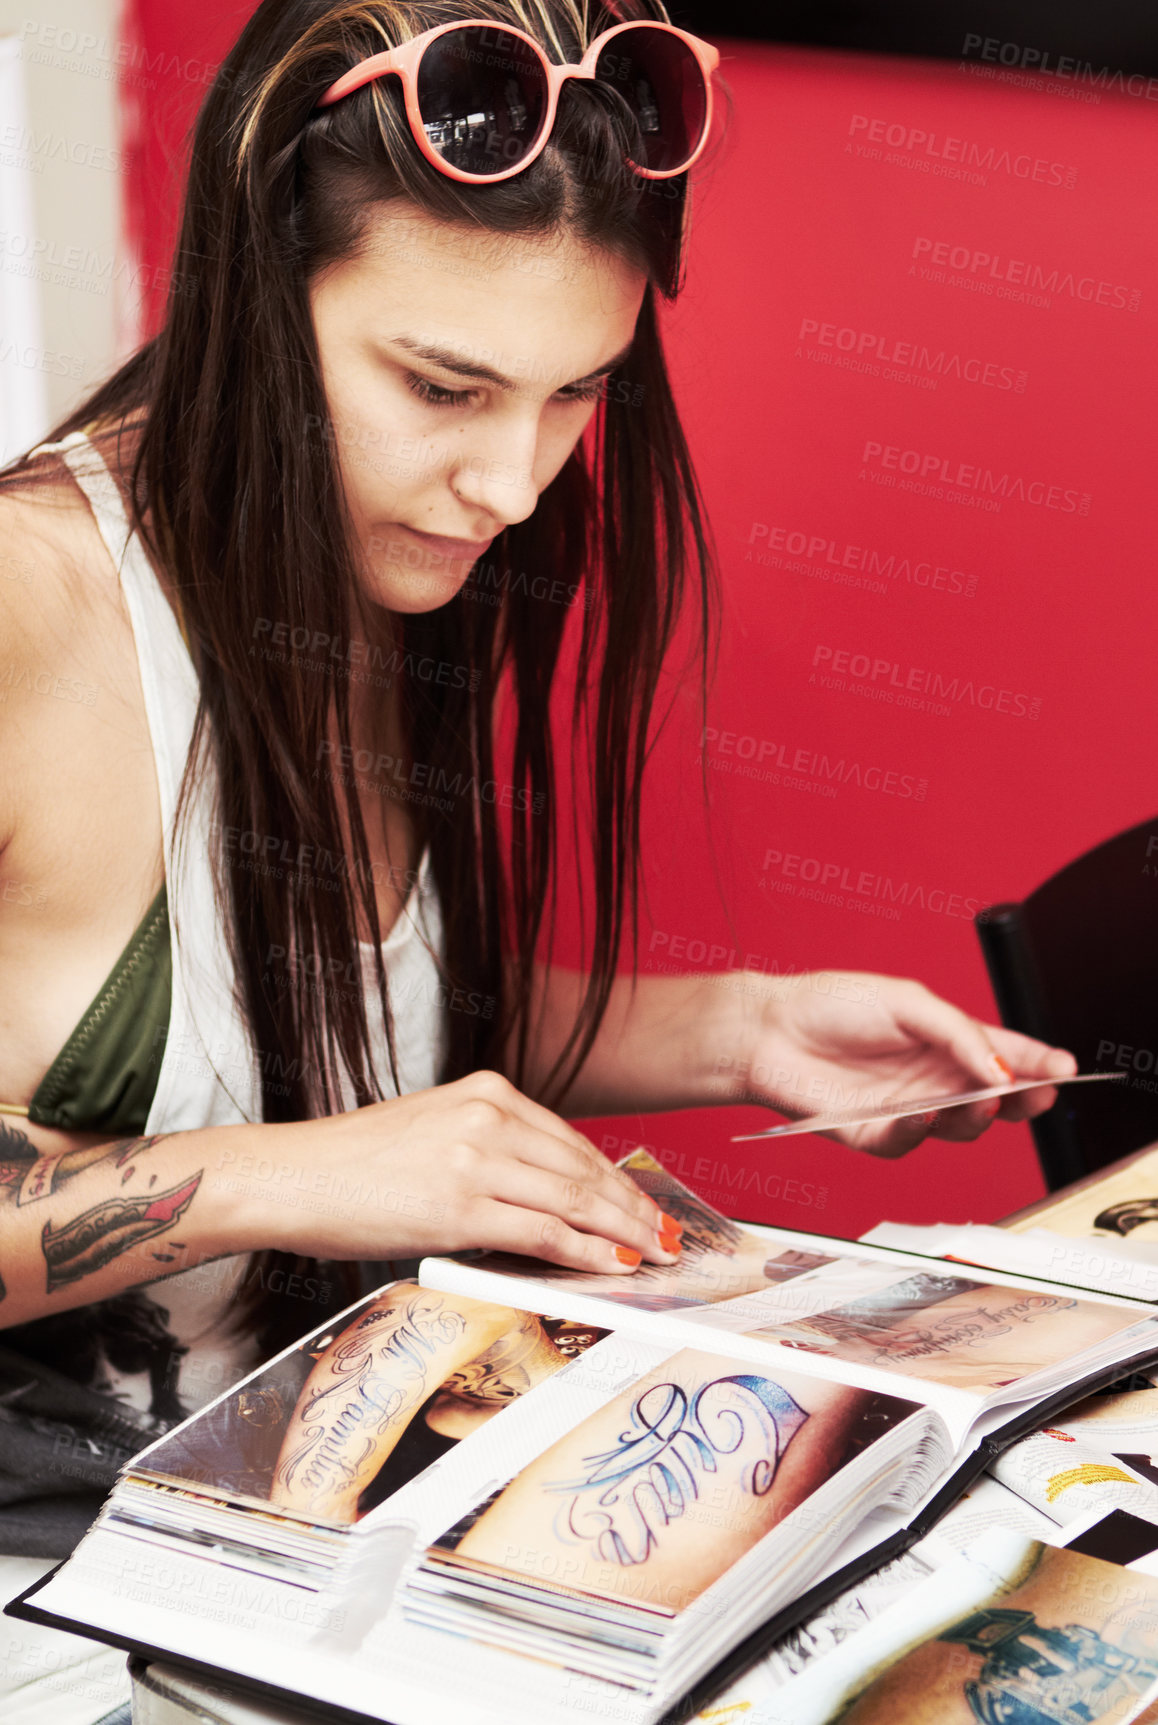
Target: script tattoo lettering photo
[
  {"x": 354, "y": 1412},
  {"x": 674, "y": 1479}
]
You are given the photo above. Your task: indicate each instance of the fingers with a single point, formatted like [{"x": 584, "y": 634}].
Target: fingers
[
  {"x": 1028, "y": 1058},
  {"x": 962, "y": 1125},
  {"x": 580, "y": 1207},
  {"x": 928, "y": 1018},
  {"x": 889, "y": 1139},
  {"x": 589, "y": 1168},
  {"x": 533, "y": 1233},
  {"x": 513, "y": 1150},
  {"x": 989, "y": 1052},
  {"x": 955, "y": 1125},
  {"x": 499, "y": 1117},
  {"x": 1027, "y": 1104},
  {"x": 492, "y": 1087}
]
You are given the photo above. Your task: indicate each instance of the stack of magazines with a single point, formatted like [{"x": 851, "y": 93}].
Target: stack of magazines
[{"x": 567, "y": 1495}]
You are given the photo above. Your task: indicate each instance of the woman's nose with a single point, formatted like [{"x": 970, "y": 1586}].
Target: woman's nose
[{"x": 499, "y": 478}]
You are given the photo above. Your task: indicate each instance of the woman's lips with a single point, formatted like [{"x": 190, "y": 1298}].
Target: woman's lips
[{"x": 454, "y": 550}]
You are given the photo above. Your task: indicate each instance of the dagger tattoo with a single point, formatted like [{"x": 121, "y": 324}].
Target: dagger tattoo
[{"x": 97, "y": 1236}]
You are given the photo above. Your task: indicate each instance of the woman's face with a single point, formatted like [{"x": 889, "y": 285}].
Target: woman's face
[{"x": 460, "y": 369}]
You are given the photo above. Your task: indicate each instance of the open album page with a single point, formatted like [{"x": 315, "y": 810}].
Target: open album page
[
  {"x": 699, "y": 1470},
  {"x": 719, "y": 1260},
  {"x": 341, "y": 1422},
  {"x": 941, "y": 1331}
]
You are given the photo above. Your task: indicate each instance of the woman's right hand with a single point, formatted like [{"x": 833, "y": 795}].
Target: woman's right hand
[
  {"x": 468, "y": 1164},
  {"x": 474, "y": 1163}
]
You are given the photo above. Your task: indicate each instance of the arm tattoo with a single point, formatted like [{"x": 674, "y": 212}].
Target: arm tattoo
[
  {"x": 500, "y": 1373},
  {"x": 651, "y": 1475},
  {"x": 900, "y": 1323},
  {"x": 379, "y": 1377},
  {"x": 1031, "y": 1672},
  {"x": 26, "y": 1174},
  {"x": 110, "y": 1228}
]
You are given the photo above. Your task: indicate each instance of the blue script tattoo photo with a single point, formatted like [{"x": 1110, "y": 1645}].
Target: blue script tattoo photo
[{"x": 655, "y": 1470}]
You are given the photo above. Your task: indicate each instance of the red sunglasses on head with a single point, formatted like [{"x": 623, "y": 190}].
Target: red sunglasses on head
[{"x": 481, "y": 97}]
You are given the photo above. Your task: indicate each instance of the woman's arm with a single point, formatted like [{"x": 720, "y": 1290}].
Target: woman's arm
[
  {"x": 468, "y": 1164},
  {"x": 813, "y": 1041},
  {"x": 85, "y": 1224},
  {"x": 657, "y": 1046}
]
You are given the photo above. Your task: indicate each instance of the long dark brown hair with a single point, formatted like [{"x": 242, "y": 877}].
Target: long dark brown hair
[{"x": 241, "y": 504}]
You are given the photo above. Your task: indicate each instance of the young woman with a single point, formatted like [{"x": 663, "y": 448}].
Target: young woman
[{"x": 280, "y": 789}]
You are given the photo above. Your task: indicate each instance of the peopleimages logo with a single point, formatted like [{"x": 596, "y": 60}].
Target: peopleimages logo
[
  {"x": 1021, "y": 274},
  {"x": 845, "y": 886},
  {"x": 962, "y": 152},
  {"x": 825, "y": 553},
  {"x": 763, "y": 759},
  {"x": 913, "y": 354},
  {"x": 927, "y": 471},
  {"x": 1007, "y": 54},
  {"x": 833, "y": 666}
]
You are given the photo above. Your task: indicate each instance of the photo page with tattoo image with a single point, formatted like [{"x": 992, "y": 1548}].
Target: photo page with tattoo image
[
  {"x": 1011, "y": 1631},
  {"x": 719, "y": 1259},
  {"x": 967, "y": 1341},
  {"x": 1118, "y": 1206},
  {"x": 1080, "y": 1482},
  {"x": 700, "y": 1493},
  {"x": 567, "y": 1505},
  {"x": 278, "y": 1469},
  {"x": 605, "y": 1551}
]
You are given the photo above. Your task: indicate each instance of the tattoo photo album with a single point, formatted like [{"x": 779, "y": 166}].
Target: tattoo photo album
[
  {"x": 619, "y": 1497},
  {"x": 308, "y": 1445}
]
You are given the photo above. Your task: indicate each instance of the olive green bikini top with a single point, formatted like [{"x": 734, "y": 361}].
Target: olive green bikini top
[{"x": 104, "y": 1078}]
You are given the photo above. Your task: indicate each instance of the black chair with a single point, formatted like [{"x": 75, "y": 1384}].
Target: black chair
[{"x": 1076, "y": 964}]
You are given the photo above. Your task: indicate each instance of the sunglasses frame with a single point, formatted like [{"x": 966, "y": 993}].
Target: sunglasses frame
[{"x": 404, "y": 60}]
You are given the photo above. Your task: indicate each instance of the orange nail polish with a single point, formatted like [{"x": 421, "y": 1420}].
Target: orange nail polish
[
  {"x": 627, "y": 1256},
  {"x": 1006, "y": 1069},
  {"x": 671, "y": 1243},
  {"x": 669, "y": 1225}
]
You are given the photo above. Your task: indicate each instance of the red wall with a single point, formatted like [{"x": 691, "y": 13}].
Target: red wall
[{"x": 894, "y": 264}]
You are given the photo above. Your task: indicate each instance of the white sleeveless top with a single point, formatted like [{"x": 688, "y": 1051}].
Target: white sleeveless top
[{"x": 210, "y": 1074}]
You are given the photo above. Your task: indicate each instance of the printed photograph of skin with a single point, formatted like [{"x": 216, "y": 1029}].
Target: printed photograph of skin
[
  {"x": 1065, "y": 1639},
  {"x": 964, "y": 1334},
  {"x": 1117, "y": 1416},
  {"x": 719, "y": 1260},
  {"x": 657, "y": 1494},
  {"x": 359, "y": 1410},
  {"x": 1122, "y": 1205}
]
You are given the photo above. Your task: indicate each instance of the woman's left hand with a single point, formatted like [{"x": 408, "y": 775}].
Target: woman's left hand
[{"x": 824, "y": 1041}]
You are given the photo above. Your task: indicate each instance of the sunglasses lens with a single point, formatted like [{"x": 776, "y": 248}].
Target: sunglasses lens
[
  {"x": 482, "y": 95},
  {"x": 660, "y": 79}
]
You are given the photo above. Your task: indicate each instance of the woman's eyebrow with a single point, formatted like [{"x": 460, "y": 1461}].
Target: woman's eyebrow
[{"x": 450, "y": 360}]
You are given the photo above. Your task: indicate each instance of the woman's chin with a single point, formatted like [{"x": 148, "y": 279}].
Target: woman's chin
[{"x": 414, "y": 590}]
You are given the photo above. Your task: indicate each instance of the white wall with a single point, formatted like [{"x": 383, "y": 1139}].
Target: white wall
[
  {"x": 23, "y": 397},
  {"x": 61, "y": 264}
]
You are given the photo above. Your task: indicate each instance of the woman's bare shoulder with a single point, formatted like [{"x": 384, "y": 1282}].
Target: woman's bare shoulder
[
  {"x": 50, "y": 552},
  {"x": 57, "y": 584}
]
